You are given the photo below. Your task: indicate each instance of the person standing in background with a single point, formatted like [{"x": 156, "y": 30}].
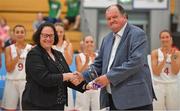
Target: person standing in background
[
  {"x": 63, "y": 45},
  {"x": 54, "y": 11},
  {"x": 15, "y": 56},
  {"x": 39, "y": 20},
  {"x": 72, "y": 16},
  {"x": 4, "y": 32},
  {"x": 89, "y": 100},
  {"x": 165, "y": 63},
  {"x": 0, "y": 53}
]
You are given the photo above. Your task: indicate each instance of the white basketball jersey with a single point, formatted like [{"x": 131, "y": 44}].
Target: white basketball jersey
[
  {"x": 166, "y": 75},
  {"x": 19, "y": 71},
  {"x": 61, "y": 49}
]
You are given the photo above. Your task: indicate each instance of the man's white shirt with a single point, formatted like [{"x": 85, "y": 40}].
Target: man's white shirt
[{"x": 117, "y": 40}]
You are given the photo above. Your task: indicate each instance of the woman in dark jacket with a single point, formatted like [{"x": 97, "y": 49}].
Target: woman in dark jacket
[{"x": 47, "y": 74}]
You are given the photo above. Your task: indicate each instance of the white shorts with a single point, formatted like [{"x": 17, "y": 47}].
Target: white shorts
[
  {"x": 167, "y": 96},
  {"x": 13, "y": 94},
  {"x": 88, "y": 100}
]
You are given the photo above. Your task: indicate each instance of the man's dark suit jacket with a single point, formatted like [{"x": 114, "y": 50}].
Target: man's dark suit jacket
[{"x": 45, "y": 86}]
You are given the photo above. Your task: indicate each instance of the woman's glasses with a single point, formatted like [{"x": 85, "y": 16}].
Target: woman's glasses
[{"x": 47, "y": 35}]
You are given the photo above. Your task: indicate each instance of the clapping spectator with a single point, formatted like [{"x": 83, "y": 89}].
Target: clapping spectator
[
  {"x": 4, "y": 32},
  {"x": 165, "y": 67}
]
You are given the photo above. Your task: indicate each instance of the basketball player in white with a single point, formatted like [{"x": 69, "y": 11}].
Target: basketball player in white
[
  {"x": 15, "y": 56},
  {"x": 89, "y": 100},
  {"x": 165, "y": 63}
]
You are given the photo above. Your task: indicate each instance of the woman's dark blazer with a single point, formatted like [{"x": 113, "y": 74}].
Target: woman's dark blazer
[{"x": 45, "y": 86}]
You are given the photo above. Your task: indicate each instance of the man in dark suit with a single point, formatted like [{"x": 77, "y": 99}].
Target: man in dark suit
[{"x": 123, "y": 71}]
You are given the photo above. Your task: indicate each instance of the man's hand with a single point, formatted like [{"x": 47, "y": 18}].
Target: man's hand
[
  {"x": 92, "y": 85},
  {"x": 102, "y": 81}
]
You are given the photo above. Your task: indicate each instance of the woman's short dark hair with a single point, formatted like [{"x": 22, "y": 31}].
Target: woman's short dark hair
[{"x": 37, "y": 34}]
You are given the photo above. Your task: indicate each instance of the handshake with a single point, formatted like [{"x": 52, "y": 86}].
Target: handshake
[{"x": 76, "y": 78}]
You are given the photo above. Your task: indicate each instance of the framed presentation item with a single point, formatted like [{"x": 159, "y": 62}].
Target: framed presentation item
[
  {"x": 98, "y": 3},
  {"x": 150, "y": 4}
]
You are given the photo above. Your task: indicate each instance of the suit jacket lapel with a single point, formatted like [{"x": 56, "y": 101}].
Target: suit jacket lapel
[
  {"x": 108, "y": 49},
  {"x": 121, "y": 42},
  {"x": 124, "y": 36}
]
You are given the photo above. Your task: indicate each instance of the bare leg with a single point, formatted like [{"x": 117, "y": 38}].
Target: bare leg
[
  {"x": 66, "y": 24},
  {"x": 77, "y": 22}
]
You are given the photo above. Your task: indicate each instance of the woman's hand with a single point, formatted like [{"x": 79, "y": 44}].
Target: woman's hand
[
  {"x": 74, "y": 78},
  {"x": 165, "y": 52}
]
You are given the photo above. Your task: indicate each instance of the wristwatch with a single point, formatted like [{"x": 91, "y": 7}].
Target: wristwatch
[{"x": 174, "y": 57}]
